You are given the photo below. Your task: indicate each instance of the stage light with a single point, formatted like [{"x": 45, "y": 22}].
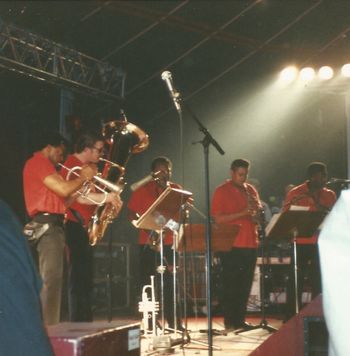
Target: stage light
[
  {"x": 325, "y": 73},
  {"x": 345, "y": 70},
  {"x": 288, "y": 74},
  {"x": 307, "y": 74}
]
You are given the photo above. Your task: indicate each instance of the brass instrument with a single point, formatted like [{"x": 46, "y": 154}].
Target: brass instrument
[
  {"x": 124, "y": 139},
  {"x": 255, "y": 206},
  {"x": 150, "y": 308},
  {"x": 97, "y": 182}
]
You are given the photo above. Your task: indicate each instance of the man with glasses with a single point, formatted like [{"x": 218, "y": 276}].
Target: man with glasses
[{"x": 89, "y": 149}]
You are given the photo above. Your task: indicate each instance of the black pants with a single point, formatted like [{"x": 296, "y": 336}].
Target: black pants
[
  {"x": 308, "y": 271},
  {"x": 149, "y": 261},
  {"x": 237, "y": 277},
  {"x": 80, "y": 271}
]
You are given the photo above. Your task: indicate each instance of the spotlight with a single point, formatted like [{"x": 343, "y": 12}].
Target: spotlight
[
  {"x": 345, "y": 70},
  {"x": 288, "y": 74},
  {"x": 307, "y": 74},
  {"x": 325, "y": 73}
]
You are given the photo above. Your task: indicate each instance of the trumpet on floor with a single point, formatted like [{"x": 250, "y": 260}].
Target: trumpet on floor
[{"x": 149, "y": 307}]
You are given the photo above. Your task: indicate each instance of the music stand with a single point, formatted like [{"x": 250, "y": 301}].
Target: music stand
[
  {"x": 288, "y": 226},
  {"x": 166, "y": 207},
  {"x": 165, "y": 212}
]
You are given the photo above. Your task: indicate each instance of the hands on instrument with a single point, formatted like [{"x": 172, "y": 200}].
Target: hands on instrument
[
  {"x": 115, "y": 200},
  {"x": 88, "y": 172}
]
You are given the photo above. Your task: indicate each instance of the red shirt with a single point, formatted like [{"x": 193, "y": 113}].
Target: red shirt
[
  {"x": 84, "y": 210},
  {"x": 141, "y": 200},
  {"x": 301, "y": 196},
  {"x": 228, "y": 199},
  {"x": 39, "y": 198}
]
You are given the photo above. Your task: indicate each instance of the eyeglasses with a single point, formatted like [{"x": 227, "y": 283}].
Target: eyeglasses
[{"x": 99, "y": 150}]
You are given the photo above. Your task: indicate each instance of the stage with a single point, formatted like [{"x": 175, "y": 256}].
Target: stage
[
  {"x": 122, "y": 337},
  {"x": 304, "y": 334},
  {"x": 225, "y": 343}
]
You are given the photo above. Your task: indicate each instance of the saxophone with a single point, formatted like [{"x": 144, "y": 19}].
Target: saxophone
[
  {"x": 254, "y": 204},
  {"x": 124, "y": 139}
]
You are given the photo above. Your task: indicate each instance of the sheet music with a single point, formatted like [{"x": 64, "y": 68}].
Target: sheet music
[{"x": 166, "y": 207}]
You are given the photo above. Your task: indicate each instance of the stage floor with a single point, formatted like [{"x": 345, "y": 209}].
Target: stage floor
[{"x": 229, "y": 344}]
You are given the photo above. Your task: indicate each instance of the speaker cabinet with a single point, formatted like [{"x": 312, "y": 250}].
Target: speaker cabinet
[{"x": 111, "y": 276}]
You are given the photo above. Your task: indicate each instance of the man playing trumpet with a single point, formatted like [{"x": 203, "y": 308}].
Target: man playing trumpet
[
  {"x": 45, "y": 193},
  {"x": 88, "y": 150}
]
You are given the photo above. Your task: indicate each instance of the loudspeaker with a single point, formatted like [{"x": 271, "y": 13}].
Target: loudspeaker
[
  {"x": 116, "y": 262},
  {"x": 300, "y": 335}
]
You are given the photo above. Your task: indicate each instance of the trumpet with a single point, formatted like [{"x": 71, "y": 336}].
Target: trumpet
[
  {"x": 149, "y": 307},
  {"x": 96, "y": 183}
]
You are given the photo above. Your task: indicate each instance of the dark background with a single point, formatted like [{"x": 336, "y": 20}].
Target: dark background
[
  {"x": 222, "y": 72},
  {"x": 224, "y": 57}
]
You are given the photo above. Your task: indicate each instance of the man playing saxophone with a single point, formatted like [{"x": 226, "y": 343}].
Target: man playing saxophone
[
  {"x": 314, "y": 195},
  {"x": 237, "y": 202},
  {"x": 88, "y": 150}
]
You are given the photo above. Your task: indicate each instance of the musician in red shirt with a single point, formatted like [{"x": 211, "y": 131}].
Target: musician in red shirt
[
  {"x": 140, "y": 200},
  {"x": 314, "y": 195},
  {"x": 88, "y": 150},
  {"x": 237, "y": 202},
  {"x": 45, "y": 193}
]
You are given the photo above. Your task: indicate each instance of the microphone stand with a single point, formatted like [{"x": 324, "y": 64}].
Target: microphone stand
[{"x": 206, "y": 141}]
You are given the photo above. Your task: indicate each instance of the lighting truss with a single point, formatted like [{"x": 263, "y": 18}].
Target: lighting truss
[{"x": 29, "y": 54}]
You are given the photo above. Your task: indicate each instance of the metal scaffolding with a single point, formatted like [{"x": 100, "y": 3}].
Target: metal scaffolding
[{"x": 29, "y": 54}]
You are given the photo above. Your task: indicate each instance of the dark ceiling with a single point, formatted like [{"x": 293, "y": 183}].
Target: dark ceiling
[
  {"x": 203, "y": 43},
  {"x": 215, "y": 50}
]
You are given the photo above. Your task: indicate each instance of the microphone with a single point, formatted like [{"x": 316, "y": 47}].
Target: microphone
[
  {"x": 167, "y": 77},
  {"x": 143, "y": 181}
]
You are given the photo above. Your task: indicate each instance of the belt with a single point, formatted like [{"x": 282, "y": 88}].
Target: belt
[{"x": 44, "y": 217}]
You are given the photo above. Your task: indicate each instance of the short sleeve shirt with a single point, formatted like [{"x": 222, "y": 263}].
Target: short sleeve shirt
[
  {"x": 39, "y": 198},
  {"x": 228, "y": 199},
  {"x": 300, "y": 196}
]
